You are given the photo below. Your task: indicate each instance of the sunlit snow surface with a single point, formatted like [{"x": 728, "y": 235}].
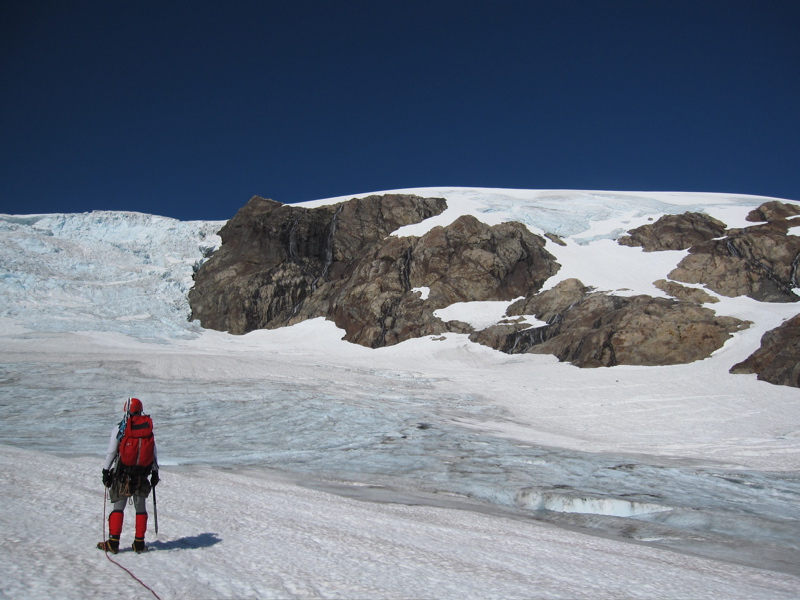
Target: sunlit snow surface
[{"x": 687, "y": 458}]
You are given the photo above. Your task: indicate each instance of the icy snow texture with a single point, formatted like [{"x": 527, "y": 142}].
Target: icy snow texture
[
  {"x": 686, "y": 458},
  {"x": 252, "y": 534},
  {"x": 93, "y": 271}
]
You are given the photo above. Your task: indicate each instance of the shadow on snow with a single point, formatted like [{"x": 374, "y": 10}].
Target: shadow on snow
[{"x": 192, "y": 542}]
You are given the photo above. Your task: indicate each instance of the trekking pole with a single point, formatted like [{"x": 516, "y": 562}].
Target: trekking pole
[{"x": 155, "y": 510}]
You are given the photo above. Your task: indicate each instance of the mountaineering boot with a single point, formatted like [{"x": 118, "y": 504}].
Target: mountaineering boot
[
  {"x": 138, "y": 545},
  {"x": 110, "y": 545}
]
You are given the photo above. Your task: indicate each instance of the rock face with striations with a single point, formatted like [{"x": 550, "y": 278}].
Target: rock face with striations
[
  {"x": 674, "y": 232},
  {"x": 760, "y": 261},
  {"x": 592, "y": 329},
  {"x": 778, "y": 359},
  {"x": 281, "y": 264},
  {"x": 465, "y": 261},
  {"x": 274, "y": 257},
  {"x": 773, "y": 211}
]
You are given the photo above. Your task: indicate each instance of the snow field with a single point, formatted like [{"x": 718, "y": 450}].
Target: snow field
[
  {"x": 468, "y": 456},
  {"x": 252, "y": 534},
  {"x": 359, "y": 417}
]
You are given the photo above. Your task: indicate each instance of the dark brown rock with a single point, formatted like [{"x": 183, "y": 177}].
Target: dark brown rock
[
  {"x": 773, "y": 211},
  {"x": 546, "y": 306},
  {"x": 778, "y": 359},
  {"x": 279, "y": 265},
  {"x": 603, "y": 331},
  {"x": 469, "y": 261},
  {"x": 674, "y": 232},
  {"x": 465, "y": 261},
  {"x": 376, "y": 306},
  {"x": 555, "y": 239},
  {"x": 760, "y": 262},
  {"x": 681, "y": 292},
  {"x": 274, "y": 256}
]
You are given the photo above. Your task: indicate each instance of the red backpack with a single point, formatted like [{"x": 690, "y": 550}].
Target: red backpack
[{"x": 137, "y": 445}]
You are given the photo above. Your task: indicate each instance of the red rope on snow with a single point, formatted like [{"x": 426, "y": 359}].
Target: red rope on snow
[{"x": 105, "y": 549}]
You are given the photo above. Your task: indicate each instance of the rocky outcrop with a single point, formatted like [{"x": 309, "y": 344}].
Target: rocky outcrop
[
  {"x": 760, "y": 262},
  {"x": 773, "y": 211},
  {"x": 674, "y": 232},
  {"x": 274, "y": 257},
  {"x": 592, "y": 329},
  {"x": 552, "y": 303},
  {"x": 681, "y": 292},
  {"x": 465, "y": 261},
  {"x": 778, "y": 359},
  {"x": 555, "y": 239},
  {"x": 279, "y": 265}
]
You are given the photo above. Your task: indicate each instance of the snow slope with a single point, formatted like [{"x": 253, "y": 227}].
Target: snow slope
[
  {"x": 250, "y": 534},
  {"x": 298, "y": 465}
]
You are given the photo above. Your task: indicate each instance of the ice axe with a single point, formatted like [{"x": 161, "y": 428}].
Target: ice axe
[{"x": 155, "y": 510}]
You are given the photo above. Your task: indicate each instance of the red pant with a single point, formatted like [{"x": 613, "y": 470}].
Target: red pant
[{"x": 117, "y": 516}]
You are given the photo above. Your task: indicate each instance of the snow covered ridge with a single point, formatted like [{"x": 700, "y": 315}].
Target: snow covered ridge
[
  {"x": 566, "y": 271},
  {"x": 581, "y": 215}
]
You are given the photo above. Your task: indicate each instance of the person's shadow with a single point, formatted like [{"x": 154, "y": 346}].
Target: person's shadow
[{"x": 192, "y": 542}]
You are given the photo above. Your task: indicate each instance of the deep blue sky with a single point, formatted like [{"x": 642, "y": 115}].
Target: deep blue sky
[{"x": 187, "y": 109}]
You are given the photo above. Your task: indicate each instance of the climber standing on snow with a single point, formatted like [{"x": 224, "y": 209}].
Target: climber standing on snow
[{"x": 130, "y": 459}]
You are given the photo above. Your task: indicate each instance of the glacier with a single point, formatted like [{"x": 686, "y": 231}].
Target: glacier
[{"x": 681, "y": 463}]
